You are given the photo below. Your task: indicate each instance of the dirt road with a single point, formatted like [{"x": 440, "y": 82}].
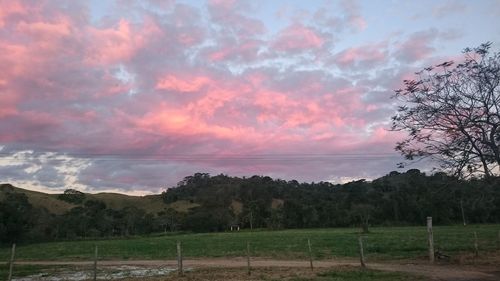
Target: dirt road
[{"x": 438, "y": 272}]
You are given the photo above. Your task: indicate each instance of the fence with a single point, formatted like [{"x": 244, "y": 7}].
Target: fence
[{"x": 432, "y": 253}]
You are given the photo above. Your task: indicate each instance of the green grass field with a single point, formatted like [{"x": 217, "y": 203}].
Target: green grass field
[{"x": 382, "y": 243}]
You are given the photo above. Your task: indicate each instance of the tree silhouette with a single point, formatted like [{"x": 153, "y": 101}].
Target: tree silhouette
[{"x": 452, "y": 114}]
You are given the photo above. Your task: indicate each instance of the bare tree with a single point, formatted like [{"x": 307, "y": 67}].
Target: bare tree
[{"x": 451, "y": 113}]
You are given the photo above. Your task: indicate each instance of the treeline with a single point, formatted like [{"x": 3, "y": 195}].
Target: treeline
[
  {"x": 203, "y": 203},
  {"x": 395, "y": 199}
]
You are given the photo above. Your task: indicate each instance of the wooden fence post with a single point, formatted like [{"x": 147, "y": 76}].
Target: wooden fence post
[
  {"x": 310, "y": 253},
  {"x": 248, "y": 259},
  {"x": 361, "y": 251},
  {"x": 463, "y": 212},
  {"x": 11, "y": 262},
  {"x": 498, "y": 239},
  {"x": 95, "y": 263},
  {"x": 179, "y": 258},
  {"x": 430, "y": 239},
  {"x": 476, "y": 246}
]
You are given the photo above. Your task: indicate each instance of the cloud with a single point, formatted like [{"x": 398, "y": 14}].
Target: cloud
[
  {"x": 418, "y": 46},
  {"x": 344, "y": 16},
  {"x": 448, "y": 8},
  {"x": 45, "y": 171},
  {"x": 353, "y": 14},
  {"x": 149, "y": 93},
  {"x": 236, "y": 34},
  {"x": 297, "y": 38},
  {"x": 120, "y": 42},
  {"x": 191, "y": 84},
  {"x": 9, "y": 10},
  {"x": 362, "y": 57}
]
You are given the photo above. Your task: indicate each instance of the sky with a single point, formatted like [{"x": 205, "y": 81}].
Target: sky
[{"x": 132, "y": 96}]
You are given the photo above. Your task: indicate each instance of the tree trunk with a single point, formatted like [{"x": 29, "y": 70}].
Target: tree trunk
[{"x": 364, "y": 227}]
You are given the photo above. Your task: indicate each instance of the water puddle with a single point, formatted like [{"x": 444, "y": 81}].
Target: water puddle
[{"x": 104, "y": 273}]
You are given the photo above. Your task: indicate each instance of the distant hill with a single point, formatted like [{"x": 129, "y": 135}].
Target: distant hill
[
  {"x": 39, "y": 199},
  {"x": 116, "y": 201}
]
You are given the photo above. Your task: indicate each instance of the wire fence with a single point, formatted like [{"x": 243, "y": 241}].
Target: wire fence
[{"x": 98, "y": 268}]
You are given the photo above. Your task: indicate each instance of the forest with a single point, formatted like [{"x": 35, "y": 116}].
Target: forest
[{"x": 215, "y": 203}]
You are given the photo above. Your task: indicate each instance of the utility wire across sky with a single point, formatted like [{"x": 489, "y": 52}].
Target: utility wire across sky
[{"x": 204, "y": 157}]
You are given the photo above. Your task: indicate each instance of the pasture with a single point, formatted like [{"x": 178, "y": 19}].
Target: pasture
[{"x": 382, "y": 243}]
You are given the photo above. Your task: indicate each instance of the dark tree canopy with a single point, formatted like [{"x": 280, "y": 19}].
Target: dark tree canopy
[
  {"x": 452, "y": 114},
  {"x": 203, "y": 203}
]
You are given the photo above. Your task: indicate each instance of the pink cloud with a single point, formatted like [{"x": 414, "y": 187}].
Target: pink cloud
[
  {"x": 353, "y": 14},
  {"x": 362, "y": 57},
  {"x": 297, "y": 37},
  {"x": 10, "y": 8},
  {"x": 420, "y": 45},
  {"x": 9, "y": 104},
  {"x": 185, "y": 28},
  {"x": 183, "y": 124},
  {"x": 342, "y": 16},
  {"x": 187, "y": 85},
  {"x": 176, "y": 80},
  {"x": 112, "y": 44},
  {"x": 14, "y": 55},
  {"x": 46, "y": 30},
  {"x": 29, "y": 126},
  {"x": 223, "y": 4},
  {"x": 235, "y": 16},
  {"x": 119, "y": 43},
  {"x": 231, "y": 51},
  {"x": 213, "y": 100},
  {"x": 237, "y": 36}
]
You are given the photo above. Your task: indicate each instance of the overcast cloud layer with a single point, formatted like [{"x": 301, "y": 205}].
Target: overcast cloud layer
[{"x": 132, "y": 96}]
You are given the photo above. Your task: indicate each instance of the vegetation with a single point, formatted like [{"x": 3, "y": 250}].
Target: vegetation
[
  {"x": 26, "y": 270},
  {"x": 344, "y": 273},
  {"x": 204, "y": 203},
  {"x": 72, "y": 196},
  {"x": 395, "y": 199},
  {"x": 380, "y": 243},
  {"x": 452, "y": 113}
]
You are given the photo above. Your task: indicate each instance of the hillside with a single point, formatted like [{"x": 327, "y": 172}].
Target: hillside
[
  {"x": 39, "y": 199},
  {"x": 116, "y": 201},
  {"x": 204, "y": 203}
]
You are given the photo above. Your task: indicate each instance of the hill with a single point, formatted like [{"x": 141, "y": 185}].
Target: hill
[
  {"x": 203, "y": 203},
  {"x": 39, "y": 199},
  {"x": 116, "y": 201}
]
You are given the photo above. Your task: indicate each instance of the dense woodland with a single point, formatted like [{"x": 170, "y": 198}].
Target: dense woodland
[{"x": 215, "y": 203}]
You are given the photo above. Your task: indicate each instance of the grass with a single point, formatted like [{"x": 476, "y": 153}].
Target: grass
[
  {"x": 291, "y": 274},
  {"x": 363, "y": 275},
  {"x": 356, "y": 274},
  {"x": 381, "y": 243},
  {"x": 343, "y": 273},
  {"x": 26, "y": 270}
]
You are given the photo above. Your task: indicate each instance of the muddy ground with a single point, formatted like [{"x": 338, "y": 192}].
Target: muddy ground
[{"x": 465, "y": 268}]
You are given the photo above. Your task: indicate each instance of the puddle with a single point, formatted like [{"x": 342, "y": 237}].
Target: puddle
[{"x": 104, "y": 273}]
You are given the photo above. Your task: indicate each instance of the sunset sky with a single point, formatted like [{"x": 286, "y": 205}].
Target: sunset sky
[{"x": 132, "y": 96}]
